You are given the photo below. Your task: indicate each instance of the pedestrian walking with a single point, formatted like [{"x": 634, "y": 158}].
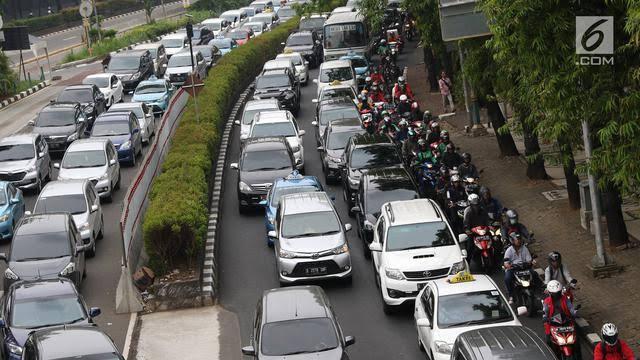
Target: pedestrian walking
[{"x": 445, "y": 90}]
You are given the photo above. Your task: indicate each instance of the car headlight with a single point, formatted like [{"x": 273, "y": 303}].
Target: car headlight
[
  {"x": 457, "y": 267},
  {"x": 286, "y": 254},
  {"x": 68, "y": 270},
  {"x": 135, "y": 76},
  {"x": 243, "y": 187},
  {"x": 88, "y": 109},
  {"x": 126, "y": 145},
  {"x": 256, "y": 97},
  {"x": 12, "y": 345},
  {"x": 84, "y": 226},
  {"x": 394, "y": 274},
  {"x": 270, "y": 218},
  {"x": 72, "y": 137},
  {"x": 4, "y": 217},
  {"x": 104, "y": 176},
  {"x": 341, "y": 249},
  {"x": 32, "y": 168},
  {"x": 442, "y": 347},
  {"x": 295, "y": 148},
  {"x": 354, "y": 182},
  {"x": 9, "y": 274}
]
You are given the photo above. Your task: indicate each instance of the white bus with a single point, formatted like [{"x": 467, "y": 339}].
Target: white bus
[{"x": 345, "y": 33}]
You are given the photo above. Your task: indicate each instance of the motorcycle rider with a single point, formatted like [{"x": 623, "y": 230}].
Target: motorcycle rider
[
  {"x": 467, "y": 169},
  {"x": 444, "y": 142},
  {"x": 367, "y": 124},
  {"x": 387, "y": 127},
  {"x": 368, "y": 83},
  {"x": 364, "y": 103},
  {"x": 517, "y": 255},
  {"x": 434, "y": 133},
  {"x": 490, "y": 204},
  {"x": 376, "y": 94},
  {"x": 376, "y": 75},
  {"x": 383, "y": 48},
  {"x": 455, "y": 193},
  {"x": 424, "y": 154},
  {"x": 427, "y": 118},
  {"x": 401, "y": 88},
  {"x": 403, "y": 106},
  {"x": 556, "y": 308},
  {"x": 450, "y": 157},
  {"x": 474, "y": 215},
  {"x": 612, "y": 347},
  {"x": 558, "y": 271},
  {"x": 410, "y": 146},
  {"x": 511, "y": 224},
  {"x": 403, "y": 132}
]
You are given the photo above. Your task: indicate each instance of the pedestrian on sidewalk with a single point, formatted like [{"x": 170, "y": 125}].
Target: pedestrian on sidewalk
[
  {"x": 445, "y": 90},
  {"x": 611, "y": 347}
]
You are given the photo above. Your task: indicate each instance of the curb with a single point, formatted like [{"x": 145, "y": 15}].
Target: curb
[
  {"x": 24, "y": 94},
  {"x": 209, "y": 270},
  {"x": 73, "y": 63}
]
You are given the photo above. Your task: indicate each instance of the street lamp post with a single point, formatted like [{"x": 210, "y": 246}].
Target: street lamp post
[{"x": 193, "y": 66}]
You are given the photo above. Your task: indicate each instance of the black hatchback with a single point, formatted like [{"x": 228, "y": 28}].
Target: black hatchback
[
  {"x": 70, "y": 342},
  {"x": 279, "y": 84},
  {"x": 90, "y": 98}
]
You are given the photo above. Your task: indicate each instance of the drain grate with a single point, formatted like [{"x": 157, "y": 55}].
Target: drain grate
[{"x": 555, "y": 195}]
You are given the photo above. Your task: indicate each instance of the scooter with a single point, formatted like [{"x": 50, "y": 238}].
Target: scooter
[
  {"x": 427, "y": 179},
  {"x": 484, "y": 254},
  {"x": 563, "y": 339},
  {"x": 523, "y": 289}
]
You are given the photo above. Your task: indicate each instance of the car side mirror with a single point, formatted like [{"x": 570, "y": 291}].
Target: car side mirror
[
  {"x": 522, "y": 310},
  {"x": 347, "y": 227},
  {"x": 56, "y": 165},
  {"x": 301, "y": 132},
  {"x": 463, "y": 238},
  {"x": 81, "y": 248},
  {"x": 27, "y": 212},
  {"x": 272, "y": 234},
  {"x": 234, "y": 166},
  {"x": 236, "y": 122},
  {"x": 112, "y": 162},
  {"x": 94, "y": 208},
  {"x": 41, "y": 154},
  {"x": 355, "y": 209},
  {"x": 14, "y": 201},
  {"x": 94, "y": 311},
  {"x": 315, "y": 101},
  {"x": 314, "y": 123},
  {"x": 32, "y": 122},
  {"x": 464, "y": 254},
  {"x": 3, "y": 257},
  {"x": 315, "y": 81},
  {"x": 349, "y": 340},
  {"x": 423, "y": 322},
  {"x": 249, "y": 350},
  {"x": 375, "y": 246}
]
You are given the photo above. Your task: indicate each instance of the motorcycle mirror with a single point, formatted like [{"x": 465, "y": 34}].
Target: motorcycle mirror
[{"x": 522, "y": 310}]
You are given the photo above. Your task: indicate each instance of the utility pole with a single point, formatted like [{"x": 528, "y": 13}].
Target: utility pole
[
  {"x": 470, "y": 99},
  {"x": 97, "y": 19},
  {"x": 193, "y": 66}
]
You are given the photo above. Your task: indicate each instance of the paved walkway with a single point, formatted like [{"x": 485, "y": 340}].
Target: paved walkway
[{"x": 557, "y": 227}]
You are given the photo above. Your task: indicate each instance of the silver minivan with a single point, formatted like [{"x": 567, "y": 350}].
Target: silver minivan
[
  {"x": 310, "y": 239},
  {"x": 25, "y": 161},
  {"x": 81, "y": 200}
]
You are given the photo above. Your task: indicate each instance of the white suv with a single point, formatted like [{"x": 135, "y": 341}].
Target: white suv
[{"x": 412, "y": 243}]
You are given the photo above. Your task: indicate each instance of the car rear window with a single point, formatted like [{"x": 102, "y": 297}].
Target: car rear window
[
  {"x": 31, "y": 247},
  {"x": 298, "y": 336}
]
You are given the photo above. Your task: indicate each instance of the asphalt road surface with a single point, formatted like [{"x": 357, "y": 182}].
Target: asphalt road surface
[{"x": 247, "y": 264}]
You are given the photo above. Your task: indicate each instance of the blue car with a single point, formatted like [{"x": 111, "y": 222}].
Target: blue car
[
  {"x": 225, "y": 45},
  {"x": 294, "y": 183},
  {"x": 11, "y": 208},
  {"x": 360, "y": 65},
  {"x": 154, "y": 92},
  {"x": 123, "y": 129}
]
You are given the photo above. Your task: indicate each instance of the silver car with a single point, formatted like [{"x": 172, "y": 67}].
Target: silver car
[
  {"x": 251, "y": 108},
  {"x": 145, "y": 116},
  {"x": 310, "y": 240},
  {"x": 81, "y": 200},
  {"x": 94, "y": 159},
  {"x": 158, "y": 54},
  {"x": 25, "y": 161}
]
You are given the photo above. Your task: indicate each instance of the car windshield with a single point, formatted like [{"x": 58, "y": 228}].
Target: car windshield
[
  {"x": 267, "y": 19},
  {"x": 221, "y": 43},
  {"x": 83, "y": 159},
  {"x": 31, "y": 247},
  {"x": 249, "y": 10},
  {"x": 341, "y": 36},
  {"x": 297, "y": 60},
  {"x": 311, "y": 24},
  {"x": 17, "y": 152},
  {"x": 213, "y": 26},
  {"x": 342, "y": 113},
  {"x": 330, "y": 93},
  {"x": 340, "y": 74},
  {"x": 173, "y": 43},
  {"x": 357, "y": 62},
  {"x": 150, "y": 89},
  {"x": 56, "y": 118},
  {"x": 300, "y": 40},
  {"x": 273, "y": 129},
  {"x": 286, "y": 12},
  {"x": 232, "y": 18},
  {"x": 375, "y": 199},
  {"x": 338, "y": 140},
  {"x": 124, "y": 63},
  {"x": 76, "y": 95},
  {"x": 247, "y": 116},
  {"x": 374, "y": 156},
  {"x": 237, "y": 35},
  {"x": 180, "y": 61},
  {"x": 482, "y": 307},
  {"x": 71, "y": 203},
  {"x": 298, "y": 337},
  {"x": 257, "y": 27},
  {"x": 418, "y": 236},
  {"x": 110, "y": 128},
  {"x": 101, "y": 82},
  {"x": 286, "y": 190},
  {"x": 278, "y": 81},
  {"x": 266, "y": 160},
  {"x": 46, "y": 311},
  {"x": 206, "y": 51},
  {"x": 310, "y": 224}
]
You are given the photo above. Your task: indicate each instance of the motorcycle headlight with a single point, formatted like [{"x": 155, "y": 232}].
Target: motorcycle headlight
[
  {"x": 243, "y": 187},
  {"x": 72, "y": 137},
  {"x": 368, "y": 225},
  {"x": 4, "y": 217},
  {"x": 457, "y": 267},
  {"x": 126, "y": 145},
  {"x": 525, "y": 283},
  {"x": 9, "y": 274},
  {"x": 68, "y": 270},
  {"x": 271, "y": 219},
  {"x": 442, "y": 347},
  {"x": 394, "y": 274},
  {"x": 341, "y": 249},
  {"x": 286, "y": 254}
]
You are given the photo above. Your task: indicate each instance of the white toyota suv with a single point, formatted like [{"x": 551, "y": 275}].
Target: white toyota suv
[{"x": 412, "y": 243}]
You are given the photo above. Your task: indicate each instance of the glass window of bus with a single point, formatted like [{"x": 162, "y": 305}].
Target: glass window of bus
[{"x": 344, "y": 36}]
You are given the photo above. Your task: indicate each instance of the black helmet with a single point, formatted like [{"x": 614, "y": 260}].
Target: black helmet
[
  {"x": 554, "y": 256},
  {"x": 466, "y": 157},
  {"x": 444, "y": 170},
  {"x": 422, "y": 144},
  {"x": 450, "y": 147}
]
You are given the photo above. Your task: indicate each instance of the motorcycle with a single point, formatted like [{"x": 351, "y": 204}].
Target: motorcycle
[
  {"x": 523, "y": 289},
  {"x": 563, "y": 340},
  {"x": 427, "y": 179},
  {"x": 471, "y": 186},
  {"x": 483, "y": 241}
]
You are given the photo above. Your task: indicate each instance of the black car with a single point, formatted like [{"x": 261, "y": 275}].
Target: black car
[
  {"x": 334, "y": 141},
  {"x": 379, "y": 186},
  {"x": 131, "y": 67},
  {"x": 314, "y": 23},
  {"x": 70, "y": 342},
  {"x": 297, "y": 322},
  {"x": 201, "y": 35},
  {"x": 308, "y": 44},
  {"x": 364, "y": 153},
  {"x": 55, "y": 301},
  {"x": 261, "y": 161},
  {"x": 60, "y": 124},
  {"x": 45, "y": 246},
  {"x": 331, "y": 110},
  {"x": 90, "y": 98},
  {"x": 280, "y": 84}
]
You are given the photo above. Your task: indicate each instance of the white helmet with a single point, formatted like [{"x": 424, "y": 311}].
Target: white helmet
[
  {"x": 474, "y": 199},
  {"x": 554, "y": 287},
  {"x": 610, "y": 333},
  {"x": 455, "y": 178},
  {"x": 403, "y": 97}
]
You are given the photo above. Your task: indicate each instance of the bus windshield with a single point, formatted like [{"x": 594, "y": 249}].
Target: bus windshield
[{"x": 344, "y": 36}]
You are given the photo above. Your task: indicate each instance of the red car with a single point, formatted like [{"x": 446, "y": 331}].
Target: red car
[{"x": 241, "y": 36}]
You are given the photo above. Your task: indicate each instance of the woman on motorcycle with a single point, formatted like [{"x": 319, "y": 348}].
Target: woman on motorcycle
[
  {"x": 388, "y": 127},
  {"x": 558, "y": 271},
  {"x": 612, "y": 347},
  {"x": 367, "y": 124},
  {"x": 376, "y": 94},
  {"x": 557, "y": 309}
]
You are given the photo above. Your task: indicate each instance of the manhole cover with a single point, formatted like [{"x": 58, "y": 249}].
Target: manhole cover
[{"x": 555, "y": 195}]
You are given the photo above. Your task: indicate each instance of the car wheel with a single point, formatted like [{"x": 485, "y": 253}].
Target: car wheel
[
  {"x": 101, "y": 231},
  {"x": 420, "y": 345},
  {"x": 109, "y": 103},
  {"x": 348, "y": 280},
  {"x": 92, "y": 251},
  {"x": 117, "y": 185},
  {"x": 242, "y": 209},
  {"x": 376, "y": 278},
  {"x": 133, "y": 158},
  {"x": 109, "y": 198},
  {"x": 386, "y": 308},
  {"x": 49, "y": 173},
  {"x": 38, "y": 187}
]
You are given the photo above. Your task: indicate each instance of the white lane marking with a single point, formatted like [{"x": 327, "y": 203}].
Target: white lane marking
[
  {"x": 69, "y": 38},
  {"x": 127, "y": 339}
]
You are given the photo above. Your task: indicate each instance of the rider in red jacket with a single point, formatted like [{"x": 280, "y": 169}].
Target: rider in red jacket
[
  {"x": 612, "y": 348},
  {"x": 402, "y": 88}
]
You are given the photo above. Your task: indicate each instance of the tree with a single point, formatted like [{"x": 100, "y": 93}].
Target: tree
[
  {"x": 373, "y": 13},
  {"x": 148, "y": 8}
]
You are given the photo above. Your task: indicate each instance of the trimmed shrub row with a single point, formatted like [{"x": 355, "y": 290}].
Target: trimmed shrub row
[{"x": 175, "y": 224}]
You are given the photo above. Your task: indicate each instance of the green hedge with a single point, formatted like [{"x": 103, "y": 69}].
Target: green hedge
[{"x": 175, "y": 224}]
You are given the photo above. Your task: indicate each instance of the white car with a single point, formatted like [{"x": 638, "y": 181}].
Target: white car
[
  {"x": 94, "y": 159},
  {"x": 336, "y": 71},
  {"x": 109, "y": 84},
  {"x": 80, "y": 199},
  {"x": 216, "y": 25},
  {"x": 447, "y": 307},
  {"x": 412, "y": 244},
  {"x": 301, "y": 65},
  {"x": 258, "y": 27},
  {"x": 279, "y": 123},
  {"x": 336, "y": 91},
  {"x": 145, "y": 117},
  {"x": 276, "y": 64},
  {"x": 251, "y": 108},
  {"x": 180, "y": 67},
  {"x": 174, "y": 43}
]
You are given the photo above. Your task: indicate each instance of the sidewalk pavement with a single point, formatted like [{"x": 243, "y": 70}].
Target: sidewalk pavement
[
  {"x": 191, "y": 334},
  {"x": 557, "y": 226}
]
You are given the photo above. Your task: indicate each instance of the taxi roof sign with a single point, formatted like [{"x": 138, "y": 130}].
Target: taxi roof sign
[
  {"x": 295, "y": 175},
  {"x": 462, "y": 276},
  {"x": 335, "y": 82},
  {"x": 287, "y": 51}
]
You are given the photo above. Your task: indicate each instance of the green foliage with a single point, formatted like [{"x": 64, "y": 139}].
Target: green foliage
[
  {"x": 175, "y": 224},
  {"x": 218, "y": 6},
  {"x": 7, "y": 76},
  {"x": 427, "y": 18},
  {"x": 106, "y": 34},
  {"x": 373, "y": 12},
  {"x": 318, "y": 6}
]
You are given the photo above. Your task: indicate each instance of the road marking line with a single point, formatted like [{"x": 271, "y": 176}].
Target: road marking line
[
  {"x": 69, "y": 38},
  {"x": 127, "y": 339}
]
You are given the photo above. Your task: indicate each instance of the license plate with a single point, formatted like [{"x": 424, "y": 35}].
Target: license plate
[
  {"x": 316, "y": 270},
  {"x": 421, "y": 285}
]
